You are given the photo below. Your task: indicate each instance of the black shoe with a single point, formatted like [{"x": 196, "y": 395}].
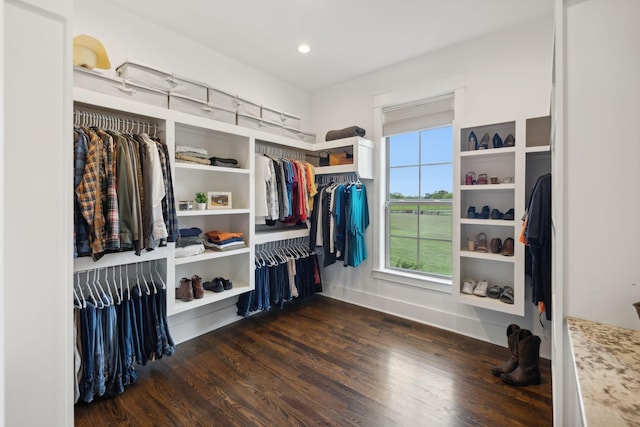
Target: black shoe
[
  {"x": 214, "y": 285},
  {"x": 497, "y": 141},
  {"x": 509, "y": 215},
  {"x": 485, "y": 213},
  {"x": 496, "y": 214}
]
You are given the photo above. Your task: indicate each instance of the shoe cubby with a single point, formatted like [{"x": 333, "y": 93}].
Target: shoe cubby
[
  {"x": 232, "y": 266},
  {"x": 493, "y": 177}
]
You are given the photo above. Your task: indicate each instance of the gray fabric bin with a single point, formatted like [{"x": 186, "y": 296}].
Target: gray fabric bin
[{"x": 202, "y": 109}]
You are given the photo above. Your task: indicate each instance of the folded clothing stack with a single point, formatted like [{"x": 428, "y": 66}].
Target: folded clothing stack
[
  {"x": 190, "y": 242},
  {"x": 224, "y": 240},
  {"x": 347, "y": 132},
  {"x": 188, "y": 154},
  {"x": 226, "y": 163}
]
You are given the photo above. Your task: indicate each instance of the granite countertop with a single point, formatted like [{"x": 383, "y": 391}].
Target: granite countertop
[{"x": 607, "y": 362}]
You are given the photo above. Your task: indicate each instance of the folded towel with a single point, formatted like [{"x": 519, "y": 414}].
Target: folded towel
[
  {"x": 345, "y": 133},
  {"x": 190, "y": 250}
]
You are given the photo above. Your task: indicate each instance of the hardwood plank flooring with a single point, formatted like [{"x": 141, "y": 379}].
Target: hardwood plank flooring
[{"x": 326, "y": 362}]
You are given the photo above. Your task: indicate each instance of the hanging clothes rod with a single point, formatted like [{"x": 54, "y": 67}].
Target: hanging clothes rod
[
  {"x": 341, "y": 178},
  {"x": 82, "y": 118},
  {"x": 279, "y": 152},
  {"x": 283, "y": 243}
]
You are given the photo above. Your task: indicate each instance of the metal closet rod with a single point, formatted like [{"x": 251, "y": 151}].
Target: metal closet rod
[
  {"x": 283, "y": 243},
  {"x": 82, "y": 118},
  {"x": 279, "y": 152}
]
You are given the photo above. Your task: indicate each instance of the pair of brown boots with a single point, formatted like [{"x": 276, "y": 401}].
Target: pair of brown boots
[
  {"x": 190, "y": 289},
  {"x": 522, "y": 367}
]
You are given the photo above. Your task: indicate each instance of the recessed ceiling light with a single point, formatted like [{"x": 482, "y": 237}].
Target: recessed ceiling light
[{"x": 304, "y": 48}]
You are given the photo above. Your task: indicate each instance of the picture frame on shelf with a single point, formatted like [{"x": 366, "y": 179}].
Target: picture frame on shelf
[{"x": 219, "y": 200}]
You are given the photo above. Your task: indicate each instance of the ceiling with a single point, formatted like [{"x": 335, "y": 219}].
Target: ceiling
[{"x": 348, "y": 38}]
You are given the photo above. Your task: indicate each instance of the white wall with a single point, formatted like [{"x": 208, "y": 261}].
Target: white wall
[
  {"x": 507, "y": 76},
  {"x": 602, "y": 195},
  {"x": 126, "y": 36},
  {"x": 37, "y": 215}
]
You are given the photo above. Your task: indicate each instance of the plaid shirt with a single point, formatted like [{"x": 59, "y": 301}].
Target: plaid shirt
[
  {"x": 81, "y": 237},
  {"x": 110, "y": 197},
  {"x": 89, "y": 194},
  {"x": 168, "y": 203}
]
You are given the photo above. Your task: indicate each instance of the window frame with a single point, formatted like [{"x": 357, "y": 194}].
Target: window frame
[{"x": 454, "y": 84}]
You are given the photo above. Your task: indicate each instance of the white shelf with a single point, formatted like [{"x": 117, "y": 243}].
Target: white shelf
[
  {"x": 539, "y": 149},
  {"x": 487, "y": 256},
  {"x": 210, "y": 298},
  {"x": 485, "y": 187},
  {"x": 121, "y": 258},
  {"x": 210, "y": 254},
  {"x": 208, "y": 212},
  {"x": 271, "y": 236},
  {"x": 498, "y": 222},
  {"x": 491, "y": 152},
  {"x": 491, "y": 303},
  {"x": 205, "y": 168}
]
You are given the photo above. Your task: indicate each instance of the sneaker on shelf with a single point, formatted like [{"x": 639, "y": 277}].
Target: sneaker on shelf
[
  {"x": 468, "y": 286},
  {"x": 481, "y": 289}
]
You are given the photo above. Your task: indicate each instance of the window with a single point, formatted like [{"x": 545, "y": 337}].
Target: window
[{"x": 419, "y": 141}]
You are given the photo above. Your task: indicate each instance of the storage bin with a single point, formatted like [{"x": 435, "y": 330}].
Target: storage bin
[
  {"x": 98, "y": 82},
  {"x": 150, "y": 76},
  {"x": 299, "y": 134},
  {"x": 277, "y": 116},
  {"x": 202, "y": 109},
  {"x": 222, "y": 99},
  {"x": 246, "y": 107},
  {"x": 257, "y": 123}
]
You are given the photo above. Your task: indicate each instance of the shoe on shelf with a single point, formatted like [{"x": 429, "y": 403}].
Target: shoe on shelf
[
  {"x": 494, "y": 291},
  {"x": 215, "y": 285},
  {"x": 185, "y": 291},
  {"x": 468, "y": 286},
  {"x": 509, "y": 215},
  {"x": 496, "y": 214},
  {"x": 481, "y": 288},
  {"x": 507, "y": 247},
  {"x": 227, "y": 284},
  {"x": 485, "y": 213},
  {"x": 506, "y": 296},
  {"x": 198, "y": 290},
  {"x": 482, "y": 179},
  {"x": 496, "y": 245},
  {"x": 497, "y": 141},
  {"x": 484, "y": 142},
  {"x": 509, "y": 141},
  {"x": 470, "y": 178},
  {"x": 481, "y": 243},
  {"x": 472, "y": 143},
  {"x": 471, "y": 212}
]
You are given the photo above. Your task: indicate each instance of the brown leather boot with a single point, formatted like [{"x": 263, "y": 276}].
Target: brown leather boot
[
  {"x": 198, "y": 290},
  {"x": 528, "y": 371},
  {"x": 512, "y": 362},
  {"x": 185, "y": 291}
]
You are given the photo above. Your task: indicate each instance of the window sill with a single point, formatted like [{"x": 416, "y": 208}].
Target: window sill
[{"x": 415, "y": 280}]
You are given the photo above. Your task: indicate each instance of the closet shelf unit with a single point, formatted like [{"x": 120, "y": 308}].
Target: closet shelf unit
[
  {"x": 505, "y": 164},
  {"x": 221, "y": 140},
  {"x": 523, "y": 163}
]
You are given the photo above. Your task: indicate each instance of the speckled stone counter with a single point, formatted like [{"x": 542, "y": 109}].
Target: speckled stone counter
[{"x": 607, "y": 360}]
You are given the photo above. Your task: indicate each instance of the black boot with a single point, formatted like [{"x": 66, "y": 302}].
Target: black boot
[
  {"x": 512, "y": 362},
  {"x": 528, "y": 371}
]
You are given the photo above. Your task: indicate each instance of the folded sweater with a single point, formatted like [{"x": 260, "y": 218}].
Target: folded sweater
[{"x": 345, "y": 133}]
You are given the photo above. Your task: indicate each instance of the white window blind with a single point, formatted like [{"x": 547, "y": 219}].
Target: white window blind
[{"x": 424, "y": 114}]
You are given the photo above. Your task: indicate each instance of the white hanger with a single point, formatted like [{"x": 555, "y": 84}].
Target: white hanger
[{"x": 164, "y": 285}]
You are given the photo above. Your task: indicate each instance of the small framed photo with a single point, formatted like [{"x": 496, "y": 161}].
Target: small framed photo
[{"x": 219, "y": 200}]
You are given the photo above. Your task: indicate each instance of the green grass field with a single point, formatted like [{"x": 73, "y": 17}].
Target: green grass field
[{"x": 432, "y": 251}]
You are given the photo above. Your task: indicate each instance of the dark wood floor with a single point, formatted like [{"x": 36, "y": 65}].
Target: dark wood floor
[{"x": 325, "y": 362}]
